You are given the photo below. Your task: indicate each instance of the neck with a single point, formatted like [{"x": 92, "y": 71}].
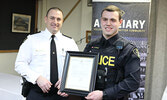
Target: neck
[
  {"x": 54, "y": 32},
  {"x": 108, "y": 36}
]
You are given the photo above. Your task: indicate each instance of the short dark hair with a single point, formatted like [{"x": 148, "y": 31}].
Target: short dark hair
[
  {"x": 112, "y": 8},
  {"x": 55, "y": 8}
]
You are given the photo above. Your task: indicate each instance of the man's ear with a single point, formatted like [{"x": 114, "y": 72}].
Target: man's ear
[
  {"x": 45, "y": 19},
  {"x": 120, "y": 21}
]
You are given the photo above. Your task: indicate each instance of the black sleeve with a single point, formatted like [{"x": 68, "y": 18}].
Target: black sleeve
[{"x": 132, "y": 78}]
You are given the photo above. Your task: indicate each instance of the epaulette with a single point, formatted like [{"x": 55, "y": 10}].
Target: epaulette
[
  {"x": 67, "y": 36},
  {"x": 31, "y": 34},
  {"x": 35, "y": 33},
  {"x": 25, "y": 39}
]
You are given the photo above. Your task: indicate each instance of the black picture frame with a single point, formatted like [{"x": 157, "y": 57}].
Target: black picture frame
[{"x": 79, "y": 74}]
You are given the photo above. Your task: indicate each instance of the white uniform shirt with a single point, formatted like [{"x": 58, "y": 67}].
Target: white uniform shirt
[{"x": 33, "y": 58}]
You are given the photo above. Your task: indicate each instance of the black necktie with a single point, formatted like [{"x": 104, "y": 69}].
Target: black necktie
[{"x": 53, "y": 59}]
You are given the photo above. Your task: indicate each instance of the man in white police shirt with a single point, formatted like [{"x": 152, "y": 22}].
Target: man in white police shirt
[
  {"x": 33, "y": 59},
  {"x": 119, "y": 62}
]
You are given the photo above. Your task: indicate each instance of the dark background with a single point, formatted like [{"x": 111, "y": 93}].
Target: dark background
[{"x": 12, "y": 40}]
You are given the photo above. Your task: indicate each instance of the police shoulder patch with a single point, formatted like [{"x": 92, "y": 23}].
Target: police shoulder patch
[{"x": 136, "y": 52}]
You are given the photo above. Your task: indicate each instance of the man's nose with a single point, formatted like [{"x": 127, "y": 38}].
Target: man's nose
[
  {"x": 55, "y": 20},
  {"x": 108, "y": 22}
]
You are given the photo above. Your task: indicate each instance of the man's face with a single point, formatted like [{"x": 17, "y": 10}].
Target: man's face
[
  {"x": 54, "y": 21},
  {"x": 110, "y": 23}
]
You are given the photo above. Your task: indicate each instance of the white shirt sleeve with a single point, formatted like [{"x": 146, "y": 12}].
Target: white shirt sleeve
[
  {"x": 164, "y": 97},
  {"x": 74, "y": 46},
  {"x": 23, "y": 60}
]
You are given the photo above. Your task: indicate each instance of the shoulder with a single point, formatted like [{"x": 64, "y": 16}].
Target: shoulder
[
  {"x": 91, "y": 44},
  {"x": 67, "y": 39},
  {"x": 94, "y": 42},
  {"x": 130, "y": 47},
  {"x": 66, "y": 36},
  {"x": 34, "y": 35},
  {"x": 124, "y": 43}
]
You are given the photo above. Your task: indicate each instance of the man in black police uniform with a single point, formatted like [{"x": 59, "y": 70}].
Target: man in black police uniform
[{"x": 118, "y": 67}]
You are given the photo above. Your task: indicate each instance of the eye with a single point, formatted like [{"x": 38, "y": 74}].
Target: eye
[
  {"x": 104, "y": 19},
  {"x": 58, "y": 19},
  {"x": 52, "y": 18},
  {"x": 113, "y": 20}
]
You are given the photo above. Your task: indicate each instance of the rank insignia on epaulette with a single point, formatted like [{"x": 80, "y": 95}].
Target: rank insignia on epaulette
[{"x": 136, "y": 52}]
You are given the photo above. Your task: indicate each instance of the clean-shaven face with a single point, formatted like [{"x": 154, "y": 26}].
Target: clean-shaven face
[
  {"x": 110, "y": 23},
  {"x": 54, "y": 21}
]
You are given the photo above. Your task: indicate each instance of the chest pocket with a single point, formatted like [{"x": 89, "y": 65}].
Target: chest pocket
[
  {"x": 95, "y": 49},
  {"x": 39, "y": 52}
]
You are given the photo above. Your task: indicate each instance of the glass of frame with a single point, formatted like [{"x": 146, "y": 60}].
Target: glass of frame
[
  {"x": 79, "y": 74},
  {"x": 21, "y": 23}
]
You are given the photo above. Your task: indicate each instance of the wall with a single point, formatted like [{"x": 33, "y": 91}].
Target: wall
[
  {"x": 11, "y": 40},
  {"x": 7, "y": 61},
  {"x": 156, "y": 76}
]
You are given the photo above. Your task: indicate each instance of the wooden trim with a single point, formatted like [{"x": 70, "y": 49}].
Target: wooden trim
[
  {"x": 88, "y": 38},
  {"x": 36, "y": 16},
  {"x": 8, "y": 51},
  {"x": 72, "y": 10}
]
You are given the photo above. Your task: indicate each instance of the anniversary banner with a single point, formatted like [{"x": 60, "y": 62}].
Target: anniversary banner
[{"x": 134, "y": 28}]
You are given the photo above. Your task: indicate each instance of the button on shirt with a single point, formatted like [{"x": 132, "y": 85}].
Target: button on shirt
[{"x": 33, "y": 58}]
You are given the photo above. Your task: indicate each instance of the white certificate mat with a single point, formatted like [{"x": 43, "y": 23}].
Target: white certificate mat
[{"x": 79, "y": 73}]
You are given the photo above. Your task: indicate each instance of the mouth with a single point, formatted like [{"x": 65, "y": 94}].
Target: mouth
[
  {"x": 54, "y": 25},
  {"x": 108, "y": 28}
]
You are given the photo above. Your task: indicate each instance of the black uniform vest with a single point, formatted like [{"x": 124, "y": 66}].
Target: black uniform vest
[{"x": 110, "y": 60}]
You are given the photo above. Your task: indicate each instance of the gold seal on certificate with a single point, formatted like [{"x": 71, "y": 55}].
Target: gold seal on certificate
[{"x": 79, "y": 74}]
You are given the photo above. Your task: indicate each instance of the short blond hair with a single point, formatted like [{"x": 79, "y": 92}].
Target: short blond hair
[{"x": 112, "y": 8}]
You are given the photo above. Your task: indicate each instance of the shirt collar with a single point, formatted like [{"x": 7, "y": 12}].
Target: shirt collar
[
  {"x": 48, "y": 34},
  {"x": 113, "y": 39},
  {"x": 110, "y": 40}
]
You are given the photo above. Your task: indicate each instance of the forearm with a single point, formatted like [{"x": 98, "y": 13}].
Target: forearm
[{"x": 129, "y": 84}]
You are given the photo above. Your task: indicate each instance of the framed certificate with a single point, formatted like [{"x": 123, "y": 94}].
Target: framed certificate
[{"x": 79, "y": 74}]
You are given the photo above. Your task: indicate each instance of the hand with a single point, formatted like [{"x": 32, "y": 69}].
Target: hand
[
  {"x": 44, "y": 84},
  {"x": 63, "y": 94},
  {"x": 95, "y": 95},
  {"x": 58, "y": 83}
]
